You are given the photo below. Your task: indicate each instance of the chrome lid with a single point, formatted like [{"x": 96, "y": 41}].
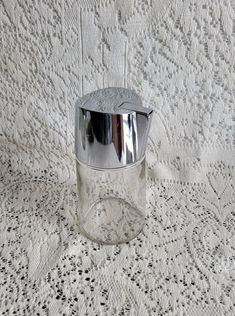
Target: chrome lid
[{"x": 111, "y": 128}]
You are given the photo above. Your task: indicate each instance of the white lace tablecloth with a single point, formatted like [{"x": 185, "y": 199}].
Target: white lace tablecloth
[{"x": 179, "y": 56}]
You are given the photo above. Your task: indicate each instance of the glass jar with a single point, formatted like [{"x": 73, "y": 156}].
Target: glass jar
[
  {"x": 112, "y": 202},
  {"x": 111, "y": 130}
]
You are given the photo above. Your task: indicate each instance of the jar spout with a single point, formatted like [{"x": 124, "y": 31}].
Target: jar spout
[{"x": 143, "y": 121}]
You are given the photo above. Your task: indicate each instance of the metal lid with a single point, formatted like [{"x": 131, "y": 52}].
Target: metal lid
[{"x": 111, "y": 128}]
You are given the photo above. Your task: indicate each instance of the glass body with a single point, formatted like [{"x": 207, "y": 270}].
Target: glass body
[{"x": 112, "y": 202}]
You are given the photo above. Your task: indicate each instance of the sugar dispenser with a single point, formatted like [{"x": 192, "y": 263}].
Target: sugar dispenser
[{"x": 111, "y": 130}]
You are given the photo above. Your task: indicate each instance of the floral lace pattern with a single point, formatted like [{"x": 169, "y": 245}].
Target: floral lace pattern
[{"x": 179, "y": 57}]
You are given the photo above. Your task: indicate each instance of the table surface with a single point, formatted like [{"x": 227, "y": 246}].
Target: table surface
[{"x": 179, "y": 57}]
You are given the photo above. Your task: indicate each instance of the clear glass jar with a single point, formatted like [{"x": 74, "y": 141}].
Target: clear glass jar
[
  {"x": 112, "y": 202},
  {"x": 111, "y": 131}
]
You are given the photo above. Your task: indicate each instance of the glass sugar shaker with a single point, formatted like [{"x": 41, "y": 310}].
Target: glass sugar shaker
[{"x": 111, "y": 130}]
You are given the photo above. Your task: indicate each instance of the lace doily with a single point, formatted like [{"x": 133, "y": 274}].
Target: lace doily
[{"x": 179, "y": 57}]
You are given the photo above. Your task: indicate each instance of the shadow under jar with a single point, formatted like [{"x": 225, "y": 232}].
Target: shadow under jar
[{"x": 111, "y": 133}]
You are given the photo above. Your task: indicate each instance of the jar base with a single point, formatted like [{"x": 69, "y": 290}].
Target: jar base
[{"x": 112, "y": 221}]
